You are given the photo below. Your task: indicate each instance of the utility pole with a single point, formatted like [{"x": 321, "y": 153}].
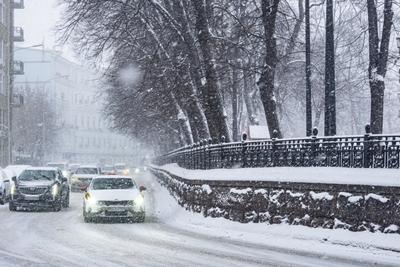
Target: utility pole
[
  {"x": 308, "y": 71},
  {"x": 330, "y": 97}
]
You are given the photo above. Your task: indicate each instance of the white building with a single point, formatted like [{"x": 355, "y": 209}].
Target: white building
[{"x": 82, "y": 135}]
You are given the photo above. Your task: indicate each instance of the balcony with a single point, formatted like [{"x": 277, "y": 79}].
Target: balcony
[
  {"x": 18, "y": 68},
  {"x": 18, "y": 34},
  {"x": 18, "y": 4}
]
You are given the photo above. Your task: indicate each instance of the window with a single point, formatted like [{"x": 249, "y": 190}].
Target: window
[
  {"x": 1, "y": 52},
  {"x": 2, "y": 91},
  {"x": 1, "y": 11}
]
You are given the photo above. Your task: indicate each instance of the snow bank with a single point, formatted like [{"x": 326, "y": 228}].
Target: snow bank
[{"x": 327, "y": 175}]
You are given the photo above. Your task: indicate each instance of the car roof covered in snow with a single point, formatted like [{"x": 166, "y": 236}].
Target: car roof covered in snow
[
  {"x": 112, "y": 176},
  {"x": 87, "y": 166},
  {"x": 42, "y": 169}
]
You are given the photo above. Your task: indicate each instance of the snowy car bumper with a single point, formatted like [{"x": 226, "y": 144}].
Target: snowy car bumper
[
  {"x": 114, "y": 212},
  {"x": 31, "y": 202}
]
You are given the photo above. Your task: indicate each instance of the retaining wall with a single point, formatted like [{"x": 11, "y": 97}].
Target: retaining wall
[{"x": 353, "y": 207}]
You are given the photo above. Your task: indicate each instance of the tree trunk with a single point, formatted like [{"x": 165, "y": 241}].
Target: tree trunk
[
  {"x": 235, "y": 104},
  {"x": 267, "y": 79},
  {"x": 330, "y": 95},
  {"x": 214, "y": 109},
  {"x": 308, "y": 71},
  {"x": 378, "y": 57},
  {"x": 251, "y": 114}
]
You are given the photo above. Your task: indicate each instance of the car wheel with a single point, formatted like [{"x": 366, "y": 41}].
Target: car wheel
[
  {"x": 3, "y": 199},
  {"x": 66, "y": 201},
  {"x": 11, "y": 206},
  {"x": 57, "y": 206},
  {"x": 140, "y": 218}
]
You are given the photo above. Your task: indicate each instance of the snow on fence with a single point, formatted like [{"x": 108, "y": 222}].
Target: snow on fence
[
  {"x": 364, "y": 151},
  {"x": 353, "y": 207}
]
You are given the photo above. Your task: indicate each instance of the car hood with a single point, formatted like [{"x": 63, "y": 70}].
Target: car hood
[
  {"x": 35, "y": 183},
  {"x": 116, "y": 194}
]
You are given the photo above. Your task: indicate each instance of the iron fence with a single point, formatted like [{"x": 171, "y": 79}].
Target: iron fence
[{"x": 363, "y": 151}]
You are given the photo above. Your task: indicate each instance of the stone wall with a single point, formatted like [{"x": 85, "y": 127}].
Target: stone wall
[{"x": 353, "y": 207}]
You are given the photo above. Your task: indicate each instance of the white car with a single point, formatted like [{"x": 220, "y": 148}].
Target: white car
[
  {"x": 113, "y": 197},
  {"x": 5, "y": 187},
  {"x": 82, "y": 176}
]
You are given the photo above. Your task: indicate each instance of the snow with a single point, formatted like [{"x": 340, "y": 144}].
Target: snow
[
  {"x": 321, "y": 196},
  {"x": 364, "y": 247},
  {"x": 258, "y": 132},
  {"x": 377, "y": 197},
  {"x": 329, "y": 175},
  {"x": 206, "y": 188},
  {"x": 240, "y": 191},
  {"x": 129, "y": 75}
]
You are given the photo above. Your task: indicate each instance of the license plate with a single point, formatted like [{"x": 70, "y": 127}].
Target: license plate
[
  {"x": 28, "y": 197},
  {"x": 116, "y": 209}
]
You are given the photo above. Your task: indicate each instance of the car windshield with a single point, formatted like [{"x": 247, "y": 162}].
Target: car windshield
[
  {"x": 87, "y": 171},
  {"x": 108, "y": 168},
  {"x": 112, "y": 183},
  {"x": 36, "y": 175}
]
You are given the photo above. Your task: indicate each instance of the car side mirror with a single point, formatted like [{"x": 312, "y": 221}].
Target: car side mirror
[
  {"x": 83, "y": 188},
  {"x": 64, "y": 179},
  {"x": 14, "y": 179},
  {"x": 142, "y": 188}
]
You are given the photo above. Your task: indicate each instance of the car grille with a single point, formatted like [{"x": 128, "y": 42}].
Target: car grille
[
  {"x": 32, "y": 190},
  {"x": 114, "y": 203}
]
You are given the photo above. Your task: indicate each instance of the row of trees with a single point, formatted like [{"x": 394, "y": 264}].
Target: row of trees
[{"x": 179, "y": 71}]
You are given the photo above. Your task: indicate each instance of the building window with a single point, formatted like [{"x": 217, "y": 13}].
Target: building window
[
  {"x": 1, "y": 11},
  {"x": 2, "y": 91}
]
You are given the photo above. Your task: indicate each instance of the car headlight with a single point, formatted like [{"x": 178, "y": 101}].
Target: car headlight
[
  {"x": 126, "y": 172},
  {"x": 74, "y": 178},
  {"x": 13, "y": 190},
  {"x": 90, "y": 200},
  {"x": 65, "y": 173},
  {"x": 139, "y": 201},
  {"x": 54, "y": 190},
  {"x": 137, "y": 170}
]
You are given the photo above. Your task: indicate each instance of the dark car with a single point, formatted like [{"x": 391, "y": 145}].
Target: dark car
[{"x": 40, "y": 188}]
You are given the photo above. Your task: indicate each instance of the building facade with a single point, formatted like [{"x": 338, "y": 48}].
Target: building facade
[{"x": 82, "y": 134}]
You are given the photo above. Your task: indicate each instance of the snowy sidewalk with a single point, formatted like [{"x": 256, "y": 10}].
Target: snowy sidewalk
[{"x": 323, "y": 175}]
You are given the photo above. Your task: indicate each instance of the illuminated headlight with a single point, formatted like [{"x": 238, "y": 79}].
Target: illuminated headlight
[
  {"x": 126, "y": 172},
  {"x": 65, "y": 173},
  {"x": 54, "y": 190},
  {"x": 139, "y": 201},
  {"x": 74, "y": 178},
  {"x": 137, "y": 170},
  {"x": 90, "y": 200},
  {"x": 13, "y": 190}
]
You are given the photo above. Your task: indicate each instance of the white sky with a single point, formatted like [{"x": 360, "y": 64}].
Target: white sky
[{"x": 38, "y": 19}]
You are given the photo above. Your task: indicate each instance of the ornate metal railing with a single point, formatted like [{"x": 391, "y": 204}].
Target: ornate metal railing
[{"x": 363, "y": 151}]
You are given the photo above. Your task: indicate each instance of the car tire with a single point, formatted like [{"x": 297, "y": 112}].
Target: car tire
[
  {"x": 66, "y": 201},
  {"x": 57, "y": 206},
  {"x": 141, "y": 217},
  {"x": 3, "y": 199},
  {"x": 11, "y": 206}
]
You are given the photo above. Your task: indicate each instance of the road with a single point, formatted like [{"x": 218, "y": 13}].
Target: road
[{"x": 63, "y": 239}]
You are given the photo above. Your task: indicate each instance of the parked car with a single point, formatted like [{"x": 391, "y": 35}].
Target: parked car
[
  {"x": 82, "y": 176},
  {"x": 40, "y": 187},
  {"x": 121, "y": 169},
  {"x": 5, "y": 188},
  {"x": 114, "y": 197}
]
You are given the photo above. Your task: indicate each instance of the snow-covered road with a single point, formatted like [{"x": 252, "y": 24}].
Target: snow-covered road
[{"x": 63, "y": 239}]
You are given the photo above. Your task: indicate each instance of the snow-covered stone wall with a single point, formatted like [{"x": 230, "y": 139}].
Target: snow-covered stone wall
[{"x": 353, "y": 207}]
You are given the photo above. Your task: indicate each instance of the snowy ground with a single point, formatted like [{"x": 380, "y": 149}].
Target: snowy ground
[
  {"x": 329, "y": 175},
  {"x": 172, "y": 236}
]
